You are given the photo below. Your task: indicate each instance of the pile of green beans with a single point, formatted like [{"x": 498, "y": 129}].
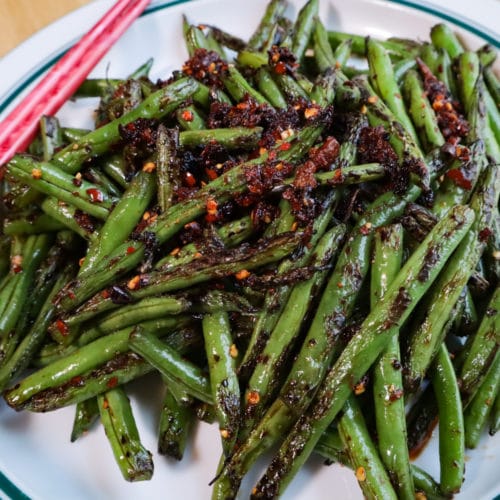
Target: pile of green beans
[{"x": 300, "y": 248}]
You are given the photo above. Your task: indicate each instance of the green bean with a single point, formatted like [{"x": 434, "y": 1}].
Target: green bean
[
  {"x": 493, "y": 115},
  {"x": 364, "y": 348},
  {"x": 66, "y": 328},
  {"x": 170, "y": 363},
  {"x": 53, "y": 182},
  {"x": 143, "y": 70},
  {"x": 229, "y": 138},
  {"x": 451, "y": 193},
  {"x": 227, "y": 39},
  {"x": 275, "y": 297},
  {"x": 4, "y": 255},
  {"x": 482, "y": 350},
  {"x": 43, "y": 283},
  {"x": 166, "y": 145},
  {"x": 25, "y": 351},
  {"x": 426, "y": 484},
  {"x": 115, "y": 168},
  {"x": 231, "y": 234},
  {"x": 493, "y": 84},
  {"x": 469, "y": 321},
  {"x": 90, "y": 370},
  {"x": 71, "y": 217},
  {"x": 478, "y": 411},
  {"x": 251, "y": 59},
  {"x": 290, "y": 87},
  {"x": 238, "y": 87},
  {"x": 205, "y": 95},
  {"x": 214, "y": 44},
  {"x": 323, "y": 52},
  {"x": 165, "y": 323},
  {"x": 363, "y": 454},
  {"x": 429, "y": 333},
  {"x": 270, "y": 89},
  {"x": 9, "y": 284},
  {"x": 71, "y": 134},
  {"x": 495, "y": 417},
  {"x": 221, "y": 353},
  {"x": 97, "y": 87},
  {"x": 125, "y": 98},
  {"x": 86, "y": 413},
  {"x": 387, "y": 377},
  {"x": 189, "y": 118},
  {"x": 330, "y": 446},
  {"x": 274, "y": 10},
  {"x": 359, "y": 44},
  {"x": 342, "y": 53},
  {"x": 354, "y": 174},
  {"x": 35, "y": 250},
  {"x": 451, "y": 423},
  {"x": 176, "y": 421},
  {"x": 269, "y": 368},
  {"x": 421, "y": 112},
  {"x": 86, "y": 358},
  {"x": 97, "y": 142},
  {"x": 401, "y": 67},
  {"x": 400, "y": 139},
  {"x": 31, "y": 224},
  {"x": 51, "y": 136},
  {"x": 468, "y": 72},
  {"x": 487, "y": 55},
  {"x": 98, "y": 177},
  {"x": 134, "y": 461},
  {"x": 443, "y": 37},
  {"x": 446, "y": 73},
  {"x": 383, "y": 81},
  {"x": 121, "y": 221}
]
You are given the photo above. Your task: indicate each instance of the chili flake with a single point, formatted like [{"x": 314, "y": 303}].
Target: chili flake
[
  {"x": 211, "y": 206},
  {"x": 95, "y": 195},
  {"x": 149, "y": 167},
  {"x": 361, "y": 474},
  {"x": 187, "y": 115},
  {"x": 134, "y": 282},
  {"x": 17, "y": 263},
  {"x": 36, "y": 173},
  {"x": 112, "y": 382},
  {"x": 253, "y": 398},
  {"x": 243, "y": 274},
  {"x": 190, "y": 179},
  {"x": 310, "y": 113},
  {"x": 62, "y": 327}
]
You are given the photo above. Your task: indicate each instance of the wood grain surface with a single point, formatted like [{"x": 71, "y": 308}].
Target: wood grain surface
[{"x": 21, "y": 18}]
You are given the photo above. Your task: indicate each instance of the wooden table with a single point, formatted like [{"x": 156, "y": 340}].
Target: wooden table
[{"x": 21, "y": 18}]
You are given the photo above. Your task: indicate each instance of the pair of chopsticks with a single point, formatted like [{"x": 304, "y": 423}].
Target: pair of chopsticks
[{"x": 19, "y": 128}]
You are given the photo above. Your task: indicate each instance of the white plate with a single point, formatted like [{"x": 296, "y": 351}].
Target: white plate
[{"x": 35, "y": 453}]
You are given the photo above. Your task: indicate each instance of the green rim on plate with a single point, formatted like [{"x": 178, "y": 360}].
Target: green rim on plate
[{"x": 8, "y": 490}]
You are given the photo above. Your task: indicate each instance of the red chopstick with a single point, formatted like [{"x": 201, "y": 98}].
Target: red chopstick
[{"x": 18, "y": 129}]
